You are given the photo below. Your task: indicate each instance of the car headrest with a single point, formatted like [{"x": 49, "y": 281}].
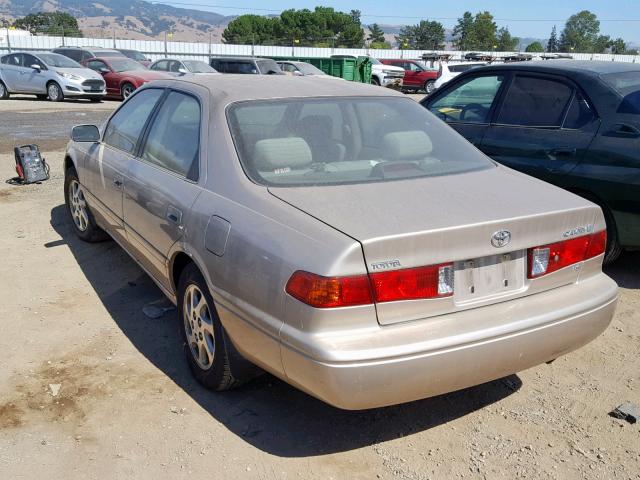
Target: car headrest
[
  {"x": 276, "y": 153},
  {"x": 411, "y": 145}
]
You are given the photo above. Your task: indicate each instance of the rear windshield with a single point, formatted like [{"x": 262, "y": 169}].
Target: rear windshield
[
  {"x": 268, "y": 66},
  {"x": 333, "y": 141},
  {"x": 627, "y": 84}
]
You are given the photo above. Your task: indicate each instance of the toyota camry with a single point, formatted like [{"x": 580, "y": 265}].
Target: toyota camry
[{"x": 338, "y": 236}]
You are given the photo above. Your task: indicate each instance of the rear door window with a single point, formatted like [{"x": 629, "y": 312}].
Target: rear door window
[
  {"x": 125, "y": 126},
  {"x": 535, "y": 102},
  {"x": 174, "y": 137},
  {"x": 470, "y": 102},
  {"x": 14, "y": 59},
  {"x": 162, "y": 65}
]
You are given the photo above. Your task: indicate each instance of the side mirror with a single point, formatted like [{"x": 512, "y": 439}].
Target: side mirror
[
  {"x": 104, "y": 70},
  {"x": 297, "y": 73},
  {"x": 183, "y": 71},
  {"x": 85, "y": 133},
  {"x": 36, "y": 67}
]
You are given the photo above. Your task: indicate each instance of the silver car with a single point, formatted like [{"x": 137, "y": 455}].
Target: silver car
[
  {"x": 48, "y": 75},
  {"x": 339, "y": 236},
  {"x": 182, "y": 67}
]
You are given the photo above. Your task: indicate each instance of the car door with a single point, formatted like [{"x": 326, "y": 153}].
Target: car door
[
  {"x": 11, "y": 70},
  {"x": 467, "y": 105},
  {"x": 111, "y": 79},
  {"x": 543, "y": 127},
  {"x": 411, "y": 74},
  {"x": 32, "y": 79},
  {"x": 107, "y": 163},
  {"x": 161, "y": 184}
]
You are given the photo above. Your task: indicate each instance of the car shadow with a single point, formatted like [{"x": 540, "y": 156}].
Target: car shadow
[
  {"x": 267, "y": 413},
  {"x": 625, "y": 270}
]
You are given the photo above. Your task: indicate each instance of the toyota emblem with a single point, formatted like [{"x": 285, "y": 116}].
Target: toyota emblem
[{"x": 501, "y": 238}]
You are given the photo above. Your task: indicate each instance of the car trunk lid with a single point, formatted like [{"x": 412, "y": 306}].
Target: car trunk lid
[{"x": 429, "y": 221}]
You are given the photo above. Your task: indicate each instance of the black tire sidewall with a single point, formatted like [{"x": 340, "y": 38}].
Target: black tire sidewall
[
  {"x": 125, "y": 85},
  {"x": 93, "y": 233},
  {"x": 6, "y": 91}
]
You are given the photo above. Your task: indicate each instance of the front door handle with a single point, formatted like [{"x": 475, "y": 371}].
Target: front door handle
[{"x": 556, "y": 153}]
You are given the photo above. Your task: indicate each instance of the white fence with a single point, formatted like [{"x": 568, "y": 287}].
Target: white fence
[{"x": 156, "y": 49}]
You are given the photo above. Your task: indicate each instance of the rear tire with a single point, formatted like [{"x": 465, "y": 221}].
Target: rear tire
[
  {"x": 54, "y": 92},
  {"x": 81, "y": 217},
  {"x": 126, "y": 90},
  {"x": 211, "y": 356},
  {"x": 429, "y": 86},
  {"x": 4, "y": 93},
  {"x": 613, "y": 249}
]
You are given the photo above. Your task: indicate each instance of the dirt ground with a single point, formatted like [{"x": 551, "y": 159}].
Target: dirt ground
[{"x": 90, "y": 387}]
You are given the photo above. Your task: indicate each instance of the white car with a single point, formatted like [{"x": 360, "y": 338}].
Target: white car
[
  {"x": 447, "y": 71},
  {"x": 386, "y": 75}
]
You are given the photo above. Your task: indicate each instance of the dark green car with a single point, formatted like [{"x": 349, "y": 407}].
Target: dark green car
[{"x": 575, "y": 124}]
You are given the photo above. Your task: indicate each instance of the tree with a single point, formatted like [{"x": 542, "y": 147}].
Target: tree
[
  {"x": 552, "y": 44},
  {"x": 376, "y": 34},
  {"x": 602, "y": 43},
  {"x": 505, "y": 42},
  {"x": 534, "y": 47},
  {"x": 380, "y": 45},
  {"x": 580, "y": 33},
  {"x": 426, "y": 35},
  {"x": 252, "y": 30},
  {"x": 618, "y": 46},
  {"x": 49, "y": 23},
  {"x": 484, "y": 31},
  {"x": 463, "y": 32}
]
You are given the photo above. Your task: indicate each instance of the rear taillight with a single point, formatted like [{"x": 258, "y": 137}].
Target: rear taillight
[
  {"x": 413, "y": 283},
  {"x": 327, "y": 292},
  {"x": 549, "y": 258},
  {"x": 407, "y": 284}
]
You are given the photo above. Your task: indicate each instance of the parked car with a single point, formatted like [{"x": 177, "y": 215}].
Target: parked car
[
  {"x": 416, "y": 75},
  {"x": 177, "y": 67},
  {"x": 386, "y": 75},
  {"x": 572, "y": 123},
  {"x": 343, "y": 239},
  {"x": 448, "y": 71},
  {"x": 135, "y": 55},
  {"x": 80, "y": 54},
  {"x": 245, "y": 65},
  {"x": 123, "y": 75},
  {"x": 302, "y": 69},
  {"x": 48, "y": 75}
]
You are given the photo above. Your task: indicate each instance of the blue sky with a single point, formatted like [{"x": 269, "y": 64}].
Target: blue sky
[{"x": 518, "y": 15}]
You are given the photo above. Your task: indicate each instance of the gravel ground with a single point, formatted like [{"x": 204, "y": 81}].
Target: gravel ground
[{"x": 92, "y": 388}]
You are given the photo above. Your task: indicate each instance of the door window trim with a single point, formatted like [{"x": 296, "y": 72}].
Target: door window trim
[{"x": 147, "y": 128}]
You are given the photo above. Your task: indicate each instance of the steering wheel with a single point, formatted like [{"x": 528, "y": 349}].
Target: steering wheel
[{"x": 480, "y": 110}]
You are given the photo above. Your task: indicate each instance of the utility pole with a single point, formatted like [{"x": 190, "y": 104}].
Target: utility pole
[
  {"x": 114, "y": 38},
  {"x": 8, "y": 40},
  {"x": 165, "y": 45},
  {"x": 62, "y": 27},
  {"x": 210, "y": 42}
]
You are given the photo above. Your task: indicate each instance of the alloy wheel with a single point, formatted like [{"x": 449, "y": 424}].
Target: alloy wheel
[
  {"x": 127, "y": 90},
  {"x": 53, "y": 91},
  {"x": 78, "y": 206},
  {"x": 198, "y": 327}
]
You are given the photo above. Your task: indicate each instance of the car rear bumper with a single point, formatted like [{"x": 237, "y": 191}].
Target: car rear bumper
[{"x": 405, "y": 362}]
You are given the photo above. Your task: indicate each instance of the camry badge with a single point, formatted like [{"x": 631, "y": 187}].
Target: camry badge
[{"x": 501, "y": 238}]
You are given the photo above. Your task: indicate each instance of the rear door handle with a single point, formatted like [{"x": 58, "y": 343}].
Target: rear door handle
[
  {"x": 174, "y": 215},
  {"x": 561, "y": 152}
]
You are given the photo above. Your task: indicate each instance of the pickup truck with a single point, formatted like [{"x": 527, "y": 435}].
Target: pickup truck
[
  {"x": 417, "y": 76},
  {"x": 386, "y": 75}
]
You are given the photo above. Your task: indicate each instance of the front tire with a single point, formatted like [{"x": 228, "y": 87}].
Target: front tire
[
  {"x": 211, "y": 356},
  {"x": 4, "y": 93},
  {"x": 81, "y": 217},
  {"x": 54, "y": 92},
  {"x": 374, "y": 81},
  {"x": 126, "y": 90}
]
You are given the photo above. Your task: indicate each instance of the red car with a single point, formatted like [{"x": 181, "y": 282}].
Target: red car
[
  {"x": 123, "y": 75},
  {"x": 416, "y": 75}
]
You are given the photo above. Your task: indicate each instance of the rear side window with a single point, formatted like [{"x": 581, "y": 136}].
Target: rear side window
[
  {"x": 14, "y": 59},
  {"x": 535, "y": 102},
  {"x": 174, "y": 137},
  {"x": 162, "y": 65},
  {"x": 469, "y": 102},
  {"x": 125, "y": 126},
  {"x": 579, "y": 114},
  {"x": 96, "y": 65}
]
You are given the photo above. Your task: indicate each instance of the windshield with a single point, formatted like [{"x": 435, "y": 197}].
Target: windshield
[
  {"x": 309, "y": 69},
  {"x": 196, "y": 66},
  {"x": 125, "y": 65},
  {"x": 340, "y": 140},
  {"x": 134, "y": 54},
  {"x": 627, "y": 84},
  {"x": 60, "y": 61},
  {"x": 375, "y": 61},
  {"x": 109, "y": 53}
]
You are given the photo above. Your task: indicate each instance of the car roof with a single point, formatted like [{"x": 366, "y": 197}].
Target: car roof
[
  {"x": 237, "y": 87},
  {"x": 248, "y": 59},
  {"x": 588, "y": 67}
]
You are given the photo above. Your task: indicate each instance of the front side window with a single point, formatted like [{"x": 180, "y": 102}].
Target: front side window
[
  {"x": 125, "y": 126},
  {"x": 535, "y": 102},
  {"x": 97, "y": 65},
  {"x": 268, "y": 66},
  {"x": 342, "y": 140},
  {"x": 469, "y": 102},
  {"x": 174, "y": 137},
  {"x": 627, "y": 85},
  {"x": 29, "y": 60}
]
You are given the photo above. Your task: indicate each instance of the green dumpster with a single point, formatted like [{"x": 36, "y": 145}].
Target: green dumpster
[{"x": 355, "y": 69}]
